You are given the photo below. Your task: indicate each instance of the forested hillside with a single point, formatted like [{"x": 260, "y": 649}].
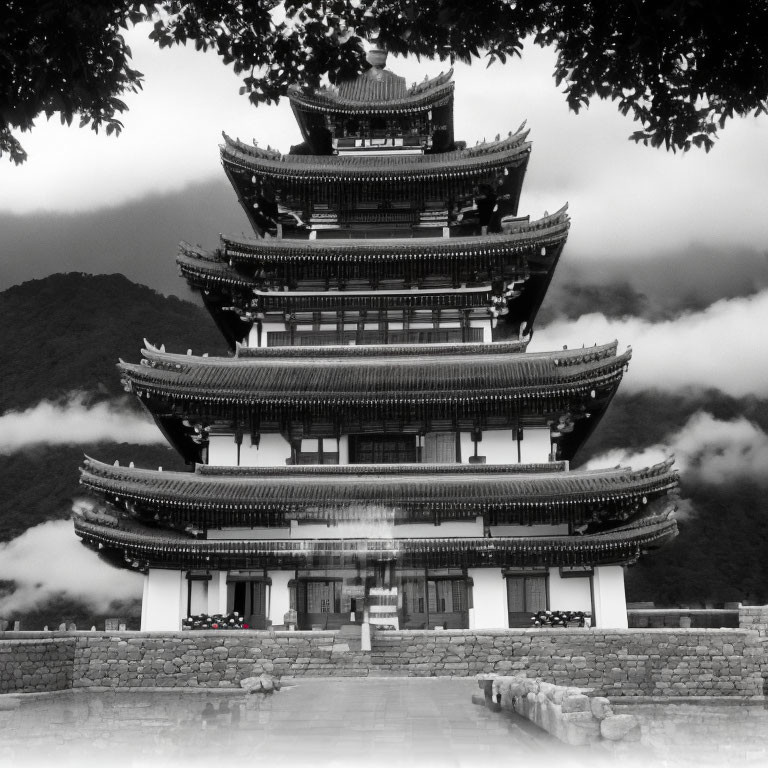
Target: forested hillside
[{"x": 66, "y": 332}]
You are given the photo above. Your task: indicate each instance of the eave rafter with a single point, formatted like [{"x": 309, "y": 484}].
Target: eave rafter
[
  {"x": 377, "y": 379},
  {"x": 503, "y": 494},
  {"x": 141, "y": 549},
  {"x": 477, "y": 161},
  {"x": 523, "y": 237}
]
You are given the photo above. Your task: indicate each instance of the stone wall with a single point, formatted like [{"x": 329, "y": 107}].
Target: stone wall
[
  {"x": 654, "y": 662},
  {"x": 211, "y": 659},
  {"x": 755, "y": 618},
  {"x": 38, "y": 662}
]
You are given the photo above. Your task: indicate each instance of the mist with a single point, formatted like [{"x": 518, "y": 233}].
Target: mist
[
  {"x": 75, "y": 422},
  {"x": 49, "y": 562},
  {"x": 706, "y": 449},
  {"x": 699, "y": 350}
]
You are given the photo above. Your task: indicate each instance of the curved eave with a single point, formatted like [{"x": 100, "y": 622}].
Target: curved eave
[
  {"x": 364, "y": 493},
  {"x": 435, "y": 93},
  {"x": 398, "y": 381},
  {"x": 144, "y": 550},
  {"x": 465, "y": 163},
  {"x": 548, "y": 231}
]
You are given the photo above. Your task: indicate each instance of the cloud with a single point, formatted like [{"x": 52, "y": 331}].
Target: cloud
[
  {"x": 75, "y": 422},
  {"x": 49, "y": 561},
  {"x": 700, "y": 350},
  {"x": 657, "y": 286},
  {"x": 707, "y": 449}
]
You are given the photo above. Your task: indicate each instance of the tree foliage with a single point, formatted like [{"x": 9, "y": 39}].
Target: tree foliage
[{"x": 680, "y": 68}]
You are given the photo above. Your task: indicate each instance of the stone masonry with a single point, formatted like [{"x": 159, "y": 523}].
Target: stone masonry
[
  {"x": 654, "y": 662},
  {"x": 43, "y": 661},
  {"x": 755, "y": 618}
]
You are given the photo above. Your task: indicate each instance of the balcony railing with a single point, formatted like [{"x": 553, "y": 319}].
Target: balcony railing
[{"x": 413, "y": 336}]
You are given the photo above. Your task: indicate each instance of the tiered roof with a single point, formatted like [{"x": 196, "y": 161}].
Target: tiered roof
[
  {"x": 302, "y": 392},
  {"x": 503, "y": 494}
]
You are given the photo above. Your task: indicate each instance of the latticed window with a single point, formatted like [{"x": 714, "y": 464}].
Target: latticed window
[
  {"x": 447, "y": 596},
  {"x": 323, "y": 596},
  {"x": 440, "y": 447},
  {"x": 382, "y": 449},
  {"x": 526, "y": 594}
]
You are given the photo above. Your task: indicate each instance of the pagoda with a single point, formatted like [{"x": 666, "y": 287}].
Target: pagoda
[{"x": 378, "y": 447}]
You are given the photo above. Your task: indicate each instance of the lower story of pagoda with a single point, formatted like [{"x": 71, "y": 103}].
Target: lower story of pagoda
[
  {"x": 456, "y": 583},
  {"x": 385, "y": 595}
]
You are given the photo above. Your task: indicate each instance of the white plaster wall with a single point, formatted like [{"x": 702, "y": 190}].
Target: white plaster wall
[
  {"x": 457, "y": 529},
  {"x": 217, "y": 592},
  {"x": 610, "y": 599},
  {"x": 573, "y": 594},
  {"x": 273, "y": 451},
  {"x": 498, "y": 447},
  {"x": 468, "y": 447},
  {"x": 279, "y": 597},
  {"x": 198, "y": 598},
  {"x": 344, "y": 449},
  {"x": 161, "y": 606},
  {"x": 249, "y": 533},
  {"x": 530, "y": 530},
  {"x": 535, "y": 446},
  {"x": 489, "y": 598},
  {"x": 222, "y": 450}
]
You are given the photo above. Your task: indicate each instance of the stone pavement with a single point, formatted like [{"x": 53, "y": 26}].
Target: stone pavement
[
  {"x": 348, "y": 723},
  {"x": 310, "y": 722},
  {"x": 399, "y": 722}
]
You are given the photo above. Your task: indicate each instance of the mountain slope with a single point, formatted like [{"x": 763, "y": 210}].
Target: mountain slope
[{"x": 66, "y": 332}]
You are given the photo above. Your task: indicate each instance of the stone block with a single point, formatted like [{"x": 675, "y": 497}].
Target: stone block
[
  {"x": 578, "y": 728},
  {"x": 620, "y": 728},
  {"x": 576, "y": 703},
  {"x": 600, "y": 707}
]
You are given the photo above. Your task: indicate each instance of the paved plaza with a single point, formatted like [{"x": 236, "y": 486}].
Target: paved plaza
[
  {"x": 395, "y": 722},
  {"x": 339, "y": 722}
]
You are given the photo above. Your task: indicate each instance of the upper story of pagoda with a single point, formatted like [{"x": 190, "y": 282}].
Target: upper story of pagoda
[
  {"x": 398, "y": 194},
  {"x": 378, "y": 159},
  {"x": 373, "y": 404},
  {"x": 377, "y": 113},
  {"x": 285, "y": 292}
]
